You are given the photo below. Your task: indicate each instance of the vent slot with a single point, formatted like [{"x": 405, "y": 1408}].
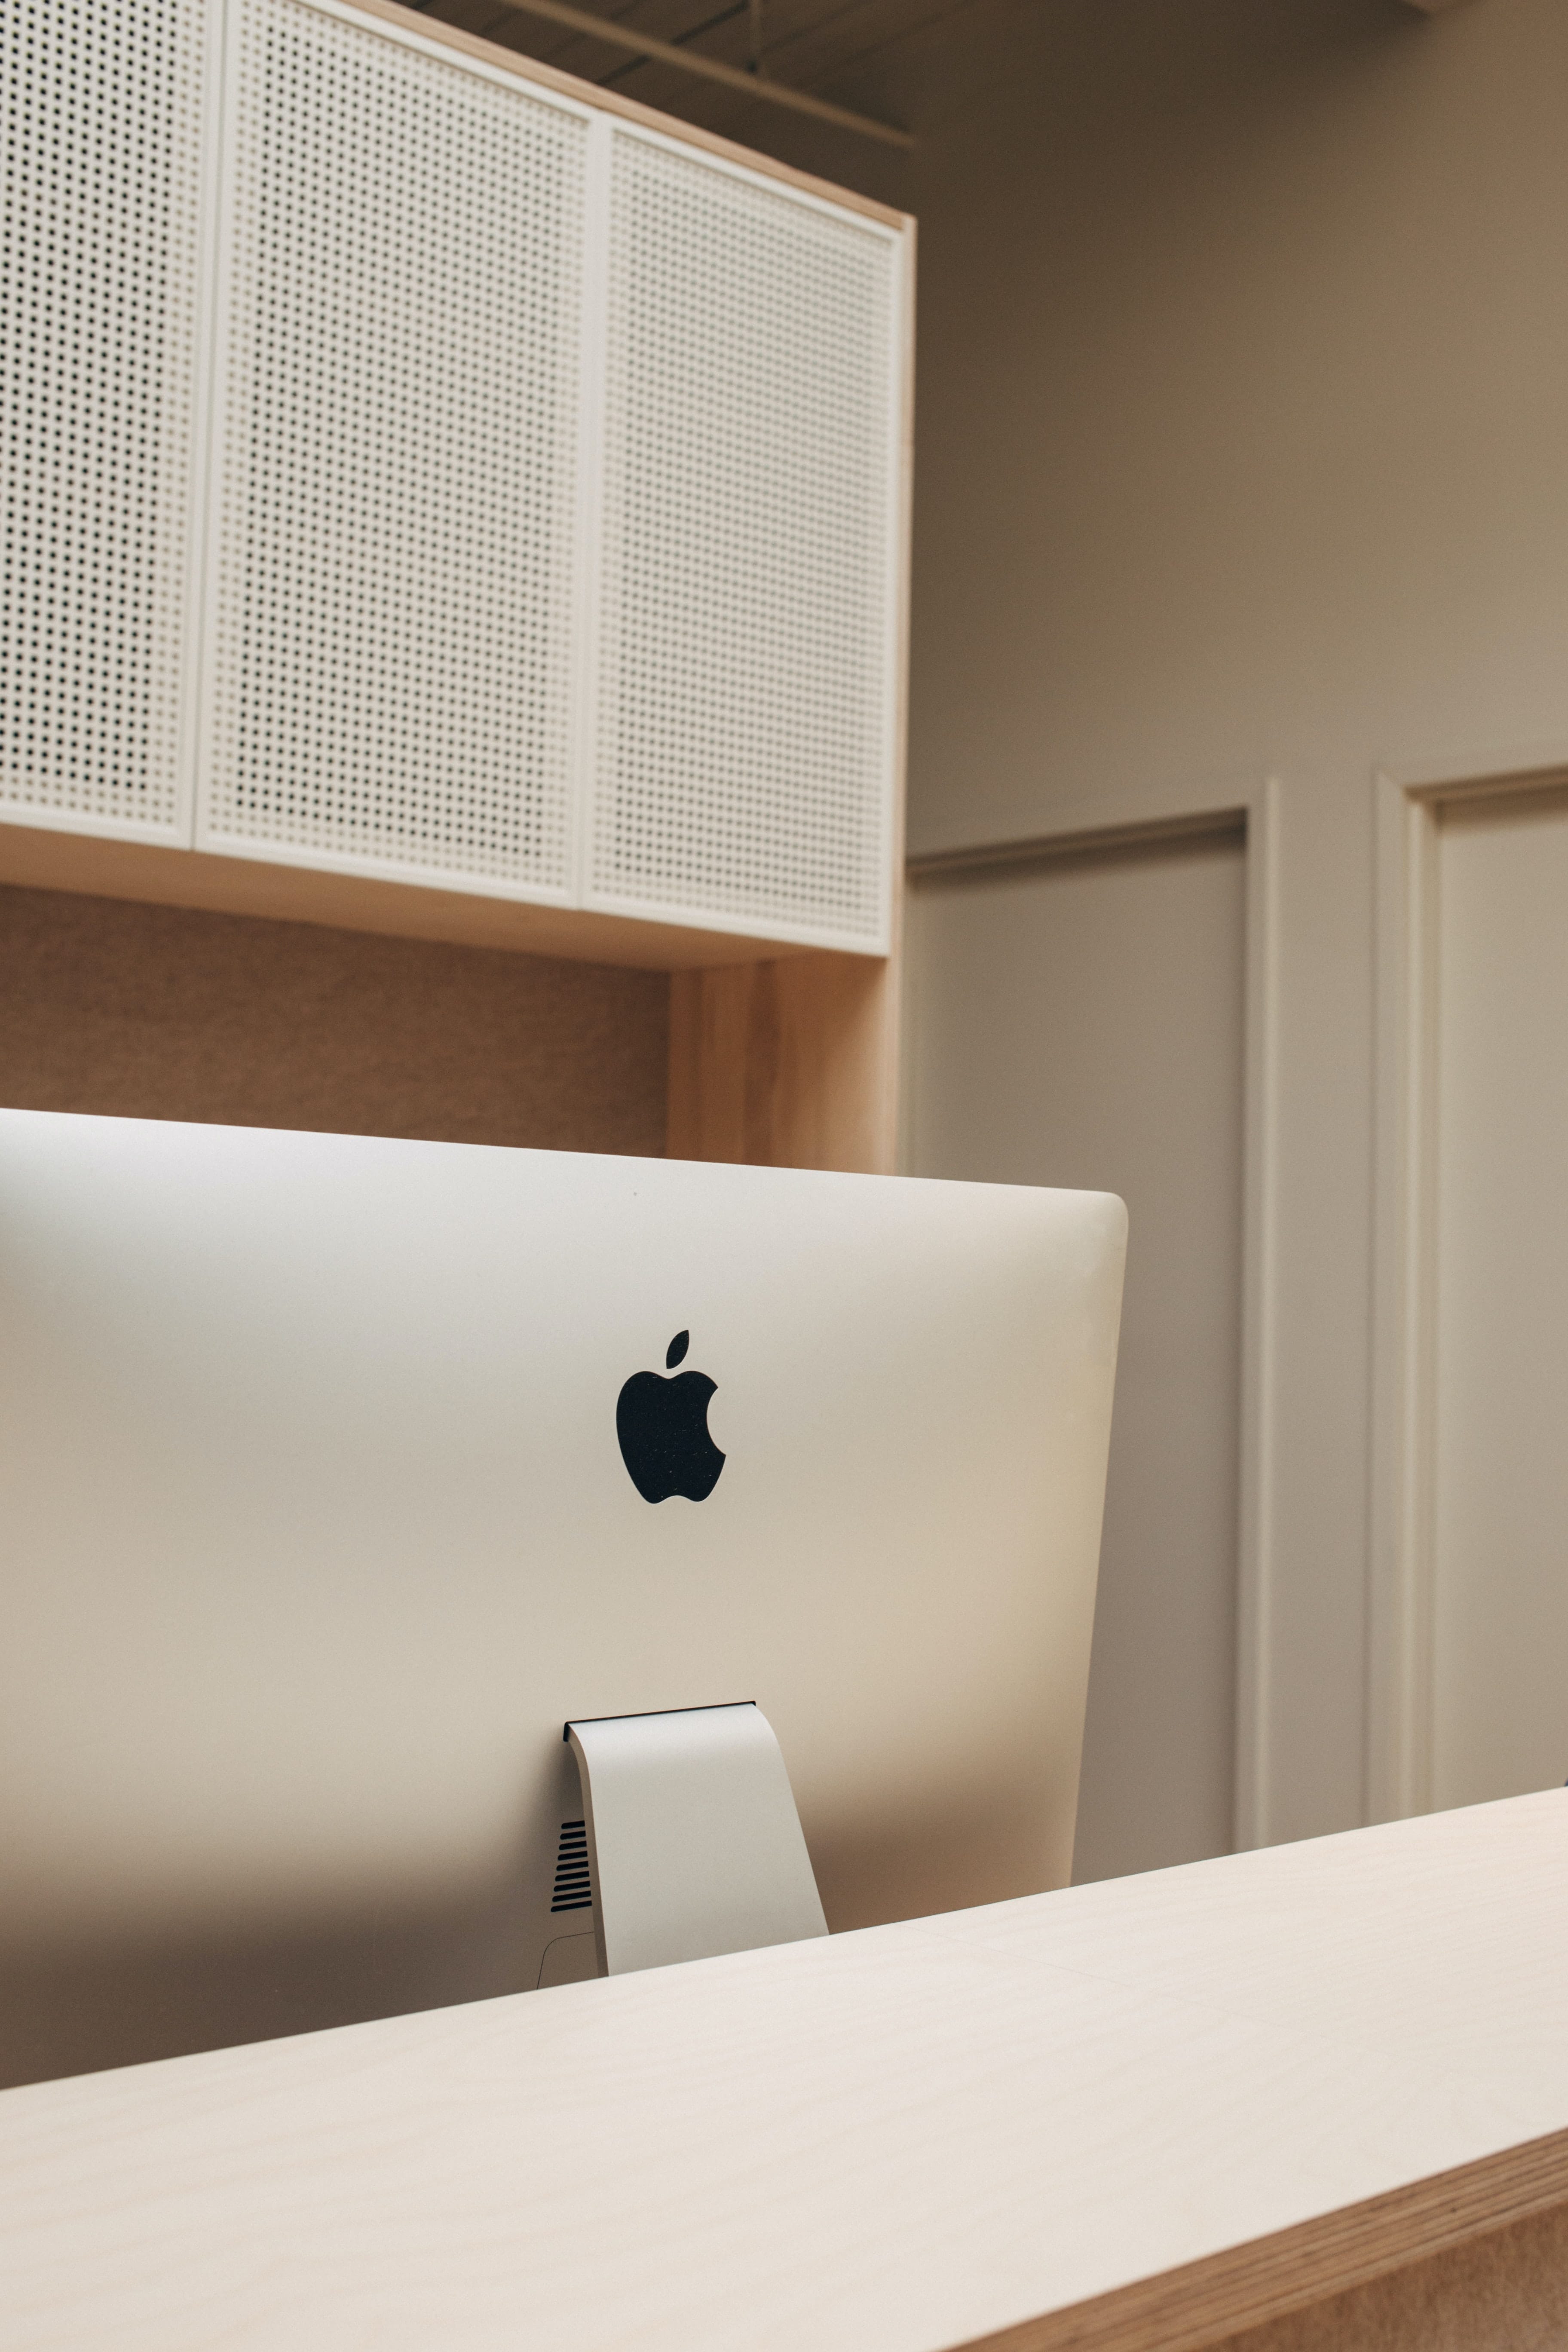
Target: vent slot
[{"x": 573, "y": 1889}]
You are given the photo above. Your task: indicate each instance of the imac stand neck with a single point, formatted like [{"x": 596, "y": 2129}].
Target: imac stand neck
[{"x": 693, "y": 1838}]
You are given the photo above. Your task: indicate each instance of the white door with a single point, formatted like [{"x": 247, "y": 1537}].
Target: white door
[
  {"x": 1080, "y": 1022},
  {"x": 1500, "y": 1616}
]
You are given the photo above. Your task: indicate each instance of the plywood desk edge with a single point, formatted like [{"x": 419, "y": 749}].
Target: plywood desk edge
[{"x": 1202, "y": 2302}]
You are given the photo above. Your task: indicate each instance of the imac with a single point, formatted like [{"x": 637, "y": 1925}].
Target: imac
[{"x": 339, "y": 1474}]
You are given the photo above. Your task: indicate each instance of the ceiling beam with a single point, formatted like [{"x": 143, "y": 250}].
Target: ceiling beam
[{"x": 691, "y": 61}]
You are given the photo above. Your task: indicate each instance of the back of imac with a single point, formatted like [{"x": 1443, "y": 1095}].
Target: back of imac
[{"x": 337, "y": 1473}]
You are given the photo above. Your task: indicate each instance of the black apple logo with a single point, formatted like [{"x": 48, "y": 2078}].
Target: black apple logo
[{"x": 663, "y": 1429}]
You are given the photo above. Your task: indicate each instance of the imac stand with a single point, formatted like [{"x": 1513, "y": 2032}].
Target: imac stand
[{"x": 694, "y": 1842}]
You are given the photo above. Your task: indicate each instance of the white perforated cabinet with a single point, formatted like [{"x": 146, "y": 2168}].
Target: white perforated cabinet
[
  {"x": 102, "y": 223},
  {"x": 558, "y": 524},
  {"x": 425, "y": 470}
]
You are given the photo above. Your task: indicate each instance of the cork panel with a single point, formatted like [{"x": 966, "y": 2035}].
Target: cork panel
[{"x": 151, "y": 1012}]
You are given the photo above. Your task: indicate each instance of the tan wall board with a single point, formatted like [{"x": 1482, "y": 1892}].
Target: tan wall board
[
  {"x": 1078, "y": 1019},
  {"x": 1469, "y": 1370},
  {"x": 164, "y": 1013}
]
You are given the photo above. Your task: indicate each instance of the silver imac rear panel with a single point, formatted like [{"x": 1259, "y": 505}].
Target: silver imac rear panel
[{"x": 337, "y": 1474}]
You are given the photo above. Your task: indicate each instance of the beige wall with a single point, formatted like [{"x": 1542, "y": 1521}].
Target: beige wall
[
  {"x": 160, "y": 1013},
  {"x": 1243, "y": 448}
]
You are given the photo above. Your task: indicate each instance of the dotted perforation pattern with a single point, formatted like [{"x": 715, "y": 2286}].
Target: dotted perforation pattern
[
  {"x": 100, "y": 157},
  {"x": 743, "y": 766},
  {"x": 392, "y": 652}
]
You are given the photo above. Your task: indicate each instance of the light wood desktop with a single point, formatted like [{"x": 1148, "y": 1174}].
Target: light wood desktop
[{"x": 1157, "y": 2112}]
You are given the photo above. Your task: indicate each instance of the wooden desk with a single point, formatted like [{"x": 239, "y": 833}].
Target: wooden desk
[{"x": 1150, "y": 2113}]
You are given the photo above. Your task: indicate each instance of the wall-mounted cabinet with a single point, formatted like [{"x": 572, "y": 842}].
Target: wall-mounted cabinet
[{"x": 430, "y": 475}]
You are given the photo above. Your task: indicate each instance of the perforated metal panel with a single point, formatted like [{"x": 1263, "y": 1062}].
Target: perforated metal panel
[
  {"x": 390, "y": 672},
  {"x": 99, "y": 279},
  {"x": 407, "y": 654},
  {"x": 745, "y": 753}
]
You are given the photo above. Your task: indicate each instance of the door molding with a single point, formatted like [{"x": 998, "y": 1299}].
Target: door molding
[
  {"x": 1410, "y": 805},
  {"x": 1143, "y": 824}
]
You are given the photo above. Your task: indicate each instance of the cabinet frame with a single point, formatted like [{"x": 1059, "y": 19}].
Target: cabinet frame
[{"x": 781, "y": 1051}]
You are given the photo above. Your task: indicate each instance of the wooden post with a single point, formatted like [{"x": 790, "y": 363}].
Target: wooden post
[{"x": 791, "y": 1063}]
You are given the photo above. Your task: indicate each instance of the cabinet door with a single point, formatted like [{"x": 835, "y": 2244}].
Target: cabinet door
[
  {"x": 743, "y": 774},
  {"x": 100, "y": 285},
  {"x": 389, "y": 669}
]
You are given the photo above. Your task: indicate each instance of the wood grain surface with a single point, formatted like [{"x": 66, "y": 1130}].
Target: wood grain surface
[
  {"x": 1153, "y": 2111},
  {"x": 789, "y": 1063}
]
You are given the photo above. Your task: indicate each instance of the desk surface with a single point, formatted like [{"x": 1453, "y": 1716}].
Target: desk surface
[{"x": 911, "y": 2137}]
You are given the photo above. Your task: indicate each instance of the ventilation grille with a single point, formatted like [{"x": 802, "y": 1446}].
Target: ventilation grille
[
  {"x": 391, "y": 663},
  {"x": 574, "y": 1888},
  {"x": 99, "y": 270},
  {"x": 743, "y": 762}
]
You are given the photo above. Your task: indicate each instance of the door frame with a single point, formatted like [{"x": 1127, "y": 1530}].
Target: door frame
[
  {"x": 1410, "y": 801},
  {"x": 1115, "y": 824}
]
